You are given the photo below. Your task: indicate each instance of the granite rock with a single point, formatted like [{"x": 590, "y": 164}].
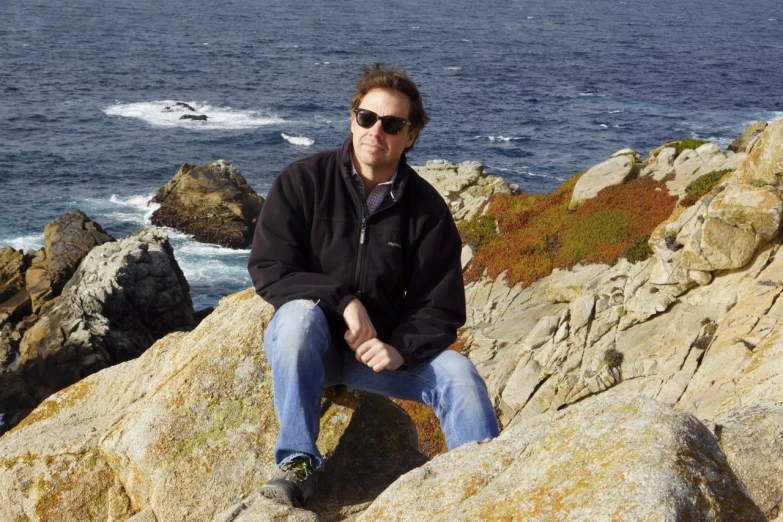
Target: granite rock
[{"x": 213, "y": 202}]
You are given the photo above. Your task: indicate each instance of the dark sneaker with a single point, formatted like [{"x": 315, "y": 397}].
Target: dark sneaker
[{"x": 293, "y": 484}]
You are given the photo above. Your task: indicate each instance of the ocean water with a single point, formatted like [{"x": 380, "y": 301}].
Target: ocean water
[{"x": 536, "y": 92}]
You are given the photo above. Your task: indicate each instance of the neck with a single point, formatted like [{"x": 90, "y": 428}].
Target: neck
[{"x": 372, "y": 176}]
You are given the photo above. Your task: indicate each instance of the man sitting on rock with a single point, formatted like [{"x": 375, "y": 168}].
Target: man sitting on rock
[{"x": 361, "y": 259}]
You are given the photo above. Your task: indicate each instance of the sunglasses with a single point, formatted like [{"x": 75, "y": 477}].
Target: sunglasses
[{"x": 389, "y": 124}]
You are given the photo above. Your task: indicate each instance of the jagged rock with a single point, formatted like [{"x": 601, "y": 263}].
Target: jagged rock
[
  {"x": 465, "y": 187},
  {"x": 186, "y": 431},
  {"x": 615, "y": 457},
  {"x": 67, "y": 240},
  {"x": 613, "y": 171},
  {"x": 724, "y": 229},
  {"x": 194, "y": 117},
  {"x": 212, "y": 202},
  {"x": 123, "y": 297},
  {"x": 11, "y": 272},
  {"x": 750, "y": 436},
  {"x": 745, "y": 142}
]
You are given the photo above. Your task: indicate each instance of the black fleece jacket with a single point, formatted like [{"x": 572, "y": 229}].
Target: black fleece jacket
[{"x": 314, "y": 240}]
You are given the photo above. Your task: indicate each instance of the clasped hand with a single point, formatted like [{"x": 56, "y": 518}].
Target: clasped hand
[{"x": 362, "y": 339}]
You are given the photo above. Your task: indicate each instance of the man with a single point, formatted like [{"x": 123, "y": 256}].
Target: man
[{"x": 361, "y": 259}]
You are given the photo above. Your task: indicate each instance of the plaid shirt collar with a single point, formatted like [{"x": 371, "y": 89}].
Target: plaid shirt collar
[{"x": 377, "y": 194}]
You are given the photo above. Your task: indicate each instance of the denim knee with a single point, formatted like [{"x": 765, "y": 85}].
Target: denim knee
[{"x": 298, "y": 329}]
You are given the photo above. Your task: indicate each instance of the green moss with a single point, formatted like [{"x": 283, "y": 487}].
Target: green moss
[
  {"x": 702, "y": 185},
  {"x": 682, "y": 145},
  {"x": 758, "y": 183}
]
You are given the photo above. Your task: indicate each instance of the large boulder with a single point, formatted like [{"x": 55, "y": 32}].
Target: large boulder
[
  {"x": 123, "y": 297},
  {"x": 213, "y": 202},
  {"x": 750, "y": 436},
  {"x": 67, "y": 240},
  {"x": 186, "y": 432},
  {"x": 614, "y": 457},
  {"x": 615, "y": 170}
]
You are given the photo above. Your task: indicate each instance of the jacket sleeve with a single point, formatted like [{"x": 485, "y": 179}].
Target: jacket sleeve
[
  {"x": 434, "y": 304},
  {"x": 278, "y": 256}
]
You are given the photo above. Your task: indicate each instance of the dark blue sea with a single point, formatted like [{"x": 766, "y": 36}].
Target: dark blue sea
[{"x": 535, "y": 90}]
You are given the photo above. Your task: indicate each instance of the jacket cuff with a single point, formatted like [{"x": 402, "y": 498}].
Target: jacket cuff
[{"x": 343, "y": 302}]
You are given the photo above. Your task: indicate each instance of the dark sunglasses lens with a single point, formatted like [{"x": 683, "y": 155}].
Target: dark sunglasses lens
[
  {"x": 392, "y": 124},
  {"x": 366, "y": 119}
]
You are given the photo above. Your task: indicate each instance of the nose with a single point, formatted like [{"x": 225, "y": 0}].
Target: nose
[{"x": 377, "y": 129}]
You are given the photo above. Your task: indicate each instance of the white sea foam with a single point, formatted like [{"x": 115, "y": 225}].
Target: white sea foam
[
  {"x": 586, "y": 94},
  {"x": 503, "y": 138},
  {"x": 297, "y": 140},
  {"x": 604, "y": 126},
  {"x": 26, "y": 243},
  {"x": 164, "y": 113},
  {"x": 614, "y": 112},
  {"x": 452, "y": 68}
]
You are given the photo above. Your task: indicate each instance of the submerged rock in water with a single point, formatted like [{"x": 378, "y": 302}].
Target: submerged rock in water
[{"x": 212, "y": 202}]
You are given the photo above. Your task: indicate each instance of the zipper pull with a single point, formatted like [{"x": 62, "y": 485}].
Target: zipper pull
[{"x": 364, "y": 229}]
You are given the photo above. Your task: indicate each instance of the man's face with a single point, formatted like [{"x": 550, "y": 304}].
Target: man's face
[{"x": 374, "y": 149}]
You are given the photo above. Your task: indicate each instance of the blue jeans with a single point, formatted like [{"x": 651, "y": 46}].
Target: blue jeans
[{"x": 304, "y": 361}]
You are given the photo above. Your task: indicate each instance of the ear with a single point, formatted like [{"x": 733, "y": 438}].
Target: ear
[{"x": 411, "y": 139}]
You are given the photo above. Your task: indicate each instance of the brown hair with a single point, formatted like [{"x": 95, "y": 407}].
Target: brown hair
[{"x": 379, "y": 76}]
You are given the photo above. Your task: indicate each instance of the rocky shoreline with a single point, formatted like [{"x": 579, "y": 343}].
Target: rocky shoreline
[{"x": 645, "y": 387}]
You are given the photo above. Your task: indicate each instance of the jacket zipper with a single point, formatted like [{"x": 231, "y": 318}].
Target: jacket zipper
[
  {"x": 360, "y": 250},
  {"x": 357, "y": 273}
]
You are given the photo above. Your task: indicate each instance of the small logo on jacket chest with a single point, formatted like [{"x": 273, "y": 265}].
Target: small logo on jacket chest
[{"x": 393, "y": 244}]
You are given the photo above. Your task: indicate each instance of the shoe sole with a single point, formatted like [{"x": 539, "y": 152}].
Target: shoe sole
[{"x": 279, "y": 494}]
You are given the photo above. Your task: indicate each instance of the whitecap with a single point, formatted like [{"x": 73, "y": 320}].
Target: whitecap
[
  {"x": 586, "y": 94},
  {"x": 297, "y": 140},
  {"x": 604, "y": 126},
  {"x": 26, "y": 243},
  {"x": 164, "y": 113},
  {"x": 416, "y": 27},
  {"x": 503, "y": 138},
  {"x": 614, "y": 112},
  {"x": 452, "y": 68},
  {"x": 529, "y": 17}
]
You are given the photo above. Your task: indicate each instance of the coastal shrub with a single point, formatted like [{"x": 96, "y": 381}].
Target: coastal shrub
[
  {"x": 639, "y": 250},
  {"x": 682, "y": 145},
  {"x": 537, "y": 233},
  {"x": 477, "y": 231},
  {"x": 613, "y": 358},
  {"x": 702, "y": 185}
]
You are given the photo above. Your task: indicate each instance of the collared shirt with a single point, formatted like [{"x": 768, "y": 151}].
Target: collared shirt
[{"x": 377, "y": 194}]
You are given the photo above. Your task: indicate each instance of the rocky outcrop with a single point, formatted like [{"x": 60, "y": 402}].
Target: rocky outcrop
[
  {"x": 123, "y": 297},
  {"x": 725, "y": 228},
  {"x": 213, "y": 202},
  {"x": 748, "y": 138},
  {"x": 11, "y": 273},
  {"x": 186, "y": 432},
  {"x": 464, "y": 186},
  {"x": 615, "y": 457},
  {"x": 67, "y": 240}
]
